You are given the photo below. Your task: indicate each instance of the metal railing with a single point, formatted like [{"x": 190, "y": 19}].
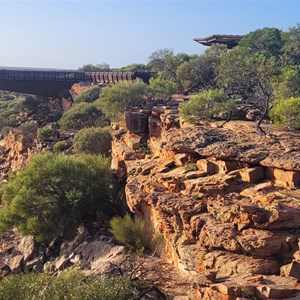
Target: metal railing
[{"x": 104, "y": 78}]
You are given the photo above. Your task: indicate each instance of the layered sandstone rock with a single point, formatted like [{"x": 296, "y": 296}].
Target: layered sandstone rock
[{"x": 225, "y": 199}]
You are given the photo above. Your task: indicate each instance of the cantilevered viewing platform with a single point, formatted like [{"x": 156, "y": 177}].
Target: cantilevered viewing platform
[{"x": 229, "y": 40}]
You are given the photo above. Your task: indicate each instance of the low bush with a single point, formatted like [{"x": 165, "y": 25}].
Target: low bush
[
  {"x": 161, "y": 88},
  {"x": 191, "y": 167},
  {"x": 93, "y": 140},
  {"x": 209, "y": 104},
  {"x": 88, "y": 95},
  {"x": 60, "y": 146},
  {"x": 286, "y": 113},
  {"x": 70, "y": 284},
  {"x": 56, "y": 189},
  {"x": 44, "y": 133},
  {"x": 135, "y": 234},
  {"x": 83, "y": 115},
  {"x": 115, "y": 100}
]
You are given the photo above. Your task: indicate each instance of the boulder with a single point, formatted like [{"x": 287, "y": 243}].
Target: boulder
[
  {"x": 26, "y": 247},
  {"x": 253, "y": 175},
  {"x": 15, "y": 263},
  {"x": 136, "y": 122},
  {"x": 292, "y": 270}
]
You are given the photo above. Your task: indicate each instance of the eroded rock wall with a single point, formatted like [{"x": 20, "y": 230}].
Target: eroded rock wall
[{"x": 226, "y": 200}]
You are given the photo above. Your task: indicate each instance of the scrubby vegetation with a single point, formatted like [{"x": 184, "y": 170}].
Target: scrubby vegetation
[
  {"x": 88, "y": 95},
  {"x": 135, "y": 233},
  {"x": 207, "y": 104},
  {"x": 56, "y": 189},
  {"x": 70, "y": 284},
  {"x": 286, "y": 113},
  {"x": 83, "y": 115},
  {"x": 60, "y": 146},
  {"x": 160, "y": 88},
  {"x": 115, "y": 100},
  {"x": 44, "y": 133},
  {"x": 262, "y": 72},
  {"x": 93, "y": 140},
  {"x": 56, "y": 193}
]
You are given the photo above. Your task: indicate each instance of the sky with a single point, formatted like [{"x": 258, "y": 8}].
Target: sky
[{"x": 69, "y": 34}]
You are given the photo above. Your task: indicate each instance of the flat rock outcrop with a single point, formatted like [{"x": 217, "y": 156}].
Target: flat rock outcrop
[{"x": 226, "y": 200}]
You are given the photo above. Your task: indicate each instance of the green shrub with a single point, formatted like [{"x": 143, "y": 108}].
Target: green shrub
[
  {"x": 286, "y": 113},
  {"x": 207, "y": 104},
  {"x": 115, "y": 100},
  {"x": 88, "y": 95},
  {"x": 161, "y": 88},
  {"x": 60, "y": 146},
  {"x": 93, "y": 140},
  {"x": 191, "y": 167},
  {"x": 70, "y": 284},
  {"x": 134, "y": 234},
  {"x": 44, "y": 133},
  {"x": 56, "y": 189},
  {"x": 83, "y": 115}
]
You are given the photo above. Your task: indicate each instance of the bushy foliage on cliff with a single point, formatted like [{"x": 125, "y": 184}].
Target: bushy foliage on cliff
[
  {"x": 93, "y": 140},
  {"x": 70, "y": 284},
  {"x": 88, "y": 95},
  {"x": 55, "y": 193},
  {"x": 135, "y": 234},
  {"x": 83, "y": 115},
  {"x": 286, "y": 113},
  {"x": 115, "y": 100},
  {"x": 160, "y": 88},
  {"x": 209, "y": 104}
]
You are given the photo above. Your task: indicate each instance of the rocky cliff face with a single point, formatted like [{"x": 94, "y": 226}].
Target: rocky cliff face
[{"x": 227, "y": 200}]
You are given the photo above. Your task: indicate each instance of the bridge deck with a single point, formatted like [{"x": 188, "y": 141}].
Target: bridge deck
[
  {"x": 30, "y": 74},
  {"x": 51, "y": 82}
]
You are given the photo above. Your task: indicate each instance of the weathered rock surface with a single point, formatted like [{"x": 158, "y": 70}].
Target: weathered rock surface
[{"x": 225, "y": 199}]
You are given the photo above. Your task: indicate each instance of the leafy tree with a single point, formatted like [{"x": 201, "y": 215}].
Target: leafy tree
[
  {"x": 115, "y": 100},
  {"x": 93, "y": 140},
  {"x": 88, "y": 95},
  {"x": 157, "y": 60},
  {"x": 249, "y": 77},
  {"x": 134, "y": 68},
  {"x": 160, "y": 88},
  {"x": 209, "y": 104},
  {"x": 263, "y": 40},
  {"x": 166, "y": 62},
  {"x": 196, "y": 74},
  {"x": 287, "y": 84},
  {"x": 291, "y": 47},
  {"x": 104, "y": 67},
  {"x": 56, "y": 189},
  {"x": 83, "y": 115},
  {"x": 286, "y": 113}
]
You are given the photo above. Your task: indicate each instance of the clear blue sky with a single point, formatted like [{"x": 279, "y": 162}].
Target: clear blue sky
[{"x": 69, "y": 34}]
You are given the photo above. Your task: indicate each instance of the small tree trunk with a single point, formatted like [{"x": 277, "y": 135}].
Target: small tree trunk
[{"x": 262, "y": 116}]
